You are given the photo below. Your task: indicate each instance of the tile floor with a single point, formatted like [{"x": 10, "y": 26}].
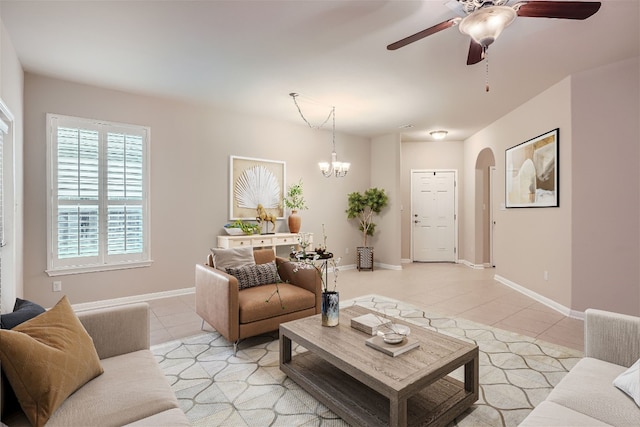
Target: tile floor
[{"x": 449, "y": 289}]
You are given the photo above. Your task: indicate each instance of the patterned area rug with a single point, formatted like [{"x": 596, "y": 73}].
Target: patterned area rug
[{"x": 216, "y": 388}]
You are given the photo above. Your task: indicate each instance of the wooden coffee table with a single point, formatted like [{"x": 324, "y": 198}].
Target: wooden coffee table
[{"x": 369, "y": 388}]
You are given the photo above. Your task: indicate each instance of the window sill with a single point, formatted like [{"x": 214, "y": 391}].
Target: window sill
[{"x": 97, "y": 268}]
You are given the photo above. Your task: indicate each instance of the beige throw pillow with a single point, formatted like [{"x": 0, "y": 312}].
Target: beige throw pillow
[
  {"x": 233, "y": 257},
  {"x": 629, "y": 382},
  {"x": 46, "y": 359}
]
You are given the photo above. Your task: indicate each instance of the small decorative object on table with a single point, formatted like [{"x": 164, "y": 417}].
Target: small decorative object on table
[
  {"x": 330, "y": 299},
  {"x": 239, "y": 227},
  {"x": 394, "y": 334},
  {"x": 294, "y": 200},
  {"x": 304, "y": 240},
  {"x": 323, "y": 247},
  {"x": 369, "y": 323},
  {"x": 262, "y": 216},
  {"x": 392, "y": 349},
  {"x": 330, "y": 308},
  {"x": 392, "y": 339}
]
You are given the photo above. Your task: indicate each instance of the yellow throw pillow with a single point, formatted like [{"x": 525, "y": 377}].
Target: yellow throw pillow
[{"x": 46, "y": 359}]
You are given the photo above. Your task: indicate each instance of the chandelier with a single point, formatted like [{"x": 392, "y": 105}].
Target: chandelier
[{"x": 334, "y": 167}]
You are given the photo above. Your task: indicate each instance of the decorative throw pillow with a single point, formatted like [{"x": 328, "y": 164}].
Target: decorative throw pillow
[
  {"x": 46, "y": 359},
  {"x": 629, "y": 382},
  {"x": 233, "y": 257},
  {"x": 23, "y": 310},
  {"x": 255, "y": 275}
]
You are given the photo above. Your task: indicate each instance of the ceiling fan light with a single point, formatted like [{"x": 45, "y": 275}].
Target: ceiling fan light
[
  {"x": 486, "y": 24},
  {"x": 438, "y": 134}
]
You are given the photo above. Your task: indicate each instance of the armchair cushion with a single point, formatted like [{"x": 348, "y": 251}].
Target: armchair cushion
[
  {"x": 255, "y": 275},
  {"x": 232, "y": 257},
  {"x": 262, "y": 302}
]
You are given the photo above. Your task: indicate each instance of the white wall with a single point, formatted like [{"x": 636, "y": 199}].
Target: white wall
[
  {"x": 589, "y": 245},
  {"x": 190, "y": 149},
  {"x": 527, "y": 241},
  {"x": 11, "y": 85},
  {"x": 385, "y": 174},
  {"x": 605, "y": 192}
]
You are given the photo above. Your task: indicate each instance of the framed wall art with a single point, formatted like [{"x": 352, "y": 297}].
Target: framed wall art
[
  {"x": 254, "y": 182},
  {"x": 532, "y": 172}
]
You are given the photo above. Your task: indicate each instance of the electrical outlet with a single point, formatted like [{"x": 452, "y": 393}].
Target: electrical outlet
[
  {"x": 546, "y": 275},
  {"x": 346, "y": 250},
  {"x": 57, "y": 286}
]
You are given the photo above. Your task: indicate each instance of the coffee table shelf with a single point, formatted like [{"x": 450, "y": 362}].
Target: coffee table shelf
[
  {"x": 358, "y": 404},
  {"x": 366, "y": 387}
]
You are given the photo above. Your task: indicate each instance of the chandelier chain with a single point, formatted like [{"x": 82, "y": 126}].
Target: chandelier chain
[
  {"x": 334, "y": 167},
  {"x": 294, "y": 96}
]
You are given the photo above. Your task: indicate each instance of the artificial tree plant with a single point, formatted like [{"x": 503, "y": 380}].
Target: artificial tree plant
[{"x": 363, "y": 207}]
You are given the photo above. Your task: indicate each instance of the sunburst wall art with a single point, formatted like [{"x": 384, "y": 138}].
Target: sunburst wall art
[{"x": 255, "y": 182}]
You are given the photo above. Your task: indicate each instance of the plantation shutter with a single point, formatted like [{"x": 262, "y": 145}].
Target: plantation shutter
[
  {"x": 125, "y": 193},
  {"x": 78, "y": 184},
  {"x": 99, "y": 194}
]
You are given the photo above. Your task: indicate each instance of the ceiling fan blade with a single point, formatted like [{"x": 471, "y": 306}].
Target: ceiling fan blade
[
  {"x": 476, "y": 53},
  {"x": 424, "y": 33},
  {"x": 558, "y": 9}
]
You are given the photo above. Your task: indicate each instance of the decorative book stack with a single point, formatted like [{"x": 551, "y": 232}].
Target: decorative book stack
[
  {"x": 392, "y": 349},
  {"x": 369, "y": 323}
]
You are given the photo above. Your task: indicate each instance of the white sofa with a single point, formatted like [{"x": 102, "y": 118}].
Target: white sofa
[
  {"x": 132, "y": 390},
  {"x": 586, "y": 396}
]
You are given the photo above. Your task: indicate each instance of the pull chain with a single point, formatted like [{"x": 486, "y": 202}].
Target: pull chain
[{"x": 486, "y": 60}]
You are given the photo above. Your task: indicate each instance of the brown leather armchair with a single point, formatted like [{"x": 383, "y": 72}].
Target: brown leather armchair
[{"x": 238, "y": 314}]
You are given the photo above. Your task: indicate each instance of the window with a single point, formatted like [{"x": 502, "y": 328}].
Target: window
[{"x": 98, "y": 201}]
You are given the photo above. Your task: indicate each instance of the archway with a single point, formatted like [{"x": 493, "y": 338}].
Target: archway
[{"x": 485, "y": 165}]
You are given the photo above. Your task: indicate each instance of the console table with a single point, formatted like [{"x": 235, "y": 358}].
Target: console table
[{"x": 260, "y": 240}]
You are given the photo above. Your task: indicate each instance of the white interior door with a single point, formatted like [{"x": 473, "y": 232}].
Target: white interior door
[{"x": 433, "y": 216}]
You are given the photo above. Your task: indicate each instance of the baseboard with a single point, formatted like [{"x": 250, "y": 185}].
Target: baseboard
[
  {"x": 387, "y": 266},
  {"x": 406, "y": 261},
  {"x": 375, "y": 265},
  {"x": 566, "y": 311},
  {"x": 471, "y": 265},
  {"x": 132, "y": 299}
]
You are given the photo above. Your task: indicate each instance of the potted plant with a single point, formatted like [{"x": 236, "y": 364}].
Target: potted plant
[
  {"x": 363, "y": 207},
  {"x": 294, "y": 200}
]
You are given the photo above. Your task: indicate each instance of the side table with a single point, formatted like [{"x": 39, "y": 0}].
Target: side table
[{"x": 314, "y": 256}]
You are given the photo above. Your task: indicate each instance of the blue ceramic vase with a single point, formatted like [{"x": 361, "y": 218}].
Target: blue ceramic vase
[{"x": 330, "y": 308}]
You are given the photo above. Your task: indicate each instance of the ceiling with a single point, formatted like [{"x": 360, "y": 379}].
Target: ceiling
[{"x": 247, "y": 56}]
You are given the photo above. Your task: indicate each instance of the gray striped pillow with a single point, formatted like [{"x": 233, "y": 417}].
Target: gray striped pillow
[{"x": 255, "y": 275}]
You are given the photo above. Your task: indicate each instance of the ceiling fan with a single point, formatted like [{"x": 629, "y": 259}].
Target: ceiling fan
[{"x": 484, "y": 20}]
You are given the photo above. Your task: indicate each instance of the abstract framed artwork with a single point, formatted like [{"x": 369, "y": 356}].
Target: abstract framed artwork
[
  {"x": 532, "y": 172},
  {"x": 254, "y": 182}
]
